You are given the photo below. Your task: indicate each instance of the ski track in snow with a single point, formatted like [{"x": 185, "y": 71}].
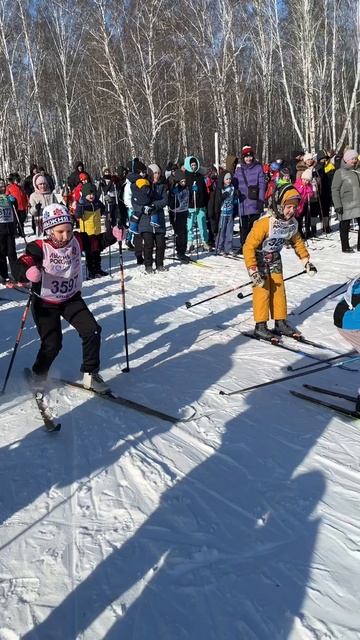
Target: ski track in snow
[{"x": 241, "y": 524}]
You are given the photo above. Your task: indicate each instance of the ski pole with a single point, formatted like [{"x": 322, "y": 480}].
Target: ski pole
[
  {"x": 21, "y": 228},
  {"x": 313, "y": 364},
  {"x": 194, "y": 190},
  {"x": 108, "y": 224},
  {"x": 189, "y": 304},
  {"x": 341, "y": 286},
  {"x": 122, "y": 285},
  {"x": 17, "y": 341},
  {"x": 285, "y": 378},
  {"x": 241, "y": 295},
  {"x": 217, "y": 241},
  {"x": 175, "y": 234}
]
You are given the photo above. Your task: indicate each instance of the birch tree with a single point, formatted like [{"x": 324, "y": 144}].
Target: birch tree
[{"x": 34, "y": 63}]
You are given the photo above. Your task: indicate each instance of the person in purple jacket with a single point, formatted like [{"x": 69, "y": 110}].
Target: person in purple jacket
[{"x": 251, "y": 185}]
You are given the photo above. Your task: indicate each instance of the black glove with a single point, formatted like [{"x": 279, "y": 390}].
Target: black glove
[
  {"x": 310, "y": 268},
  {"x": 38, "y": 208},
  {"x": 339, "y": 211},
  {"x": 260, "y": 208}
]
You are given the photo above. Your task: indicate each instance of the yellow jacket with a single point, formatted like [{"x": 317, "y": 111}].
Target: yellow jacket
[
  {"x": 269, "y": 235},
  {"x": 90, "y": 222}
]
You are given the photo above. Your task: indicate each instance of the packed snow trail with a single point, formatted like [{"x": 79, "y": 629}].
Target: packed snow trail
[{"x": 242, "y": 523}]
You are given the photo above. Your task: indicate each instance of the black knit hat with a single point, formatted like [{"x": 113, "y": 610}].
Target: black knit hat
[
  {"x": 88, "y": 188},
  {"x": 179, "y": 175},
  {"x": 135, "y": 166}
]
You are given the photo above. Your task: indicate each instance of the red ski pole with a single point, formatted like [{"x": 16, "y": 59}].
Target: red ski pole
[{"x": 17, "y": 341}]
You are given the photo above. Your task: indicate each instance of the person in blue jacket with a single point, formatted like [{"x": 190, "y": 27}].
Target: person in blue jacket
[
  {"x": 198, "y": 199},
  {"x": 347, "y": 319},
  {"x": 152, "y": 221},
  {"x": 7, "y": 234}
]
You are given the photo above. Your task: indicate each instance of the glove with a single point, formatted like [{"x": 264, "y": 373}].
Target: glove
[
  {"x": 147, "y": 209},
  {"x": 118, "y": 233},
  {"x": 260, "y": 209},
  {"x": 38, "y": 208},
  {"x": 11, "y": 199},
  {"x": 194, "y": 187},
  {"x": 310, "y": 269},
  {"x": 108, "y": 198},
  {"x": 255, "y": 276},
  {"x": 33, "y": 274},
  {"x": 339, "y": 211}
]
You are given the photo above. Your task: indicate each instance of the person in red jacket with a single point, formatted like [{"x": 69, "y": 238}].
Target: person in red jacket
[
  {"x": 14, "y": 188},
  {"x": 53, "y": 265}
]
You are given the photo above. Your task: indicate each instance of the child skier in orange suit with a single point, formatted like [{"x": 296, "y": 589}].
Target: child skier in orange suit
[{"x": 263, "y": 261}]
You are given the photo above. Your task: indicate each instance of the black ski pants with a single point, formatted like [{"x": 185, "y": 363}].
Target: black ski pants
[
  {"x": 178, "y": 222},
  {"x": 246, "y": 224},
  {"x": 48, "y": 323},
  {"x": 344, "y": 234},
  {"x": 152, "y": 240},
  {"x": 7, "y": 249}
]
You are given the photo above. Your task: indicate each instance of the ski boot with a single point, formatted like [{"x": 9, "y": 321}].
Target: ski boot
[
  {"x": 183, "y": 258},
  {"x": 263, "y": 333},
  {"x": 37, "y": 382},
  {"x": 95, "y": 382},
  {"x": 283, "y": 328},
  {"x": 100, "y": 273}
]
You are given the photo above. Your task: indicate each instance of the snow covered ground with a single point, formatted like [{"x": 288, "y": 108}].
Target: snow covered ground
[{"x": 242, "y": 524}]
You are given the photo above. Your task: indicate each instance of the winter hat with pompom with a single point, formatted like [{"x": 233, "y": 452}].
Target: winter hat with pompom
[
  {"x": 247, "y": 150},
  {"x": 55, "y": 214}
]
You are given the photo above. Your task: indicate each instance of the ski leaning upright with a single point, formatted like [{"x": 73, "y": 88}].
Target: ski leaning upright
[
  {"x": 48, "y": 418},
  {"x": 131, "y": 404}
]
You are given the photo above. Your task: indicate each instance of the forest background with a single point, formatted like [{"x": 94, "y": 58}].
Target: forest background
[{"x": 108, "y": 80}]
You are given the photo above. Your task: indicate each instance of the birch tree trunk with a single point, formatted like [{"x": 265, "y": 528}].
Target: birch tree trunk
[
  {"x": 286, "y": 85},
  {"x": 356, "y": 83},
  {"x": 36, "y": 90}
]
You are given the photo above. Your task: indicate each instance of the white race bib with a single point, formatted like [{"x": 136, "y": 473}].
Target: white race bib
[
  {"x": 62, "y": 274},
  {"x": 6, "y": 211},
  {"x": 280, "y": 232}
]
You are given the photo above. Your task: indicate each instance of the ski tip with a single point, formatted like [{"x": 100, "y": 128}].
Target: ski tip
[
  {"x": 186, "y": 414},
  {"x": 188, "y": 305}
]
